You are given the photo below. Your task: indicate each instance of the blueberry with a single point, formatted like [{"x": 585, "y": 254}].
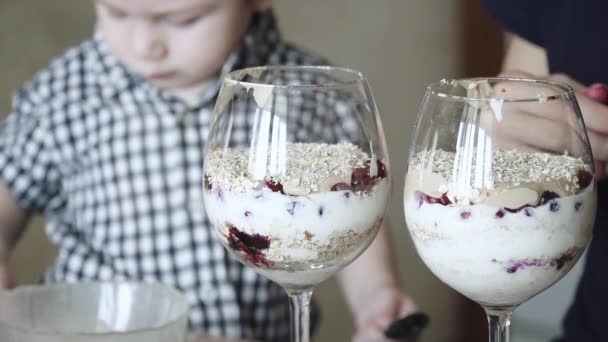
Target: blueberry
[
  {"x": 554, "y": 206},
  {"x": 291, "y": 207}
]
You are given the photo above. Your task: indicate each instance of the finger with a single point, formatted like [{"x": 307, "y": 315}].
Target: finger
[
  {"x": 563, "y": 78},
  {"x": 376, "y": 322},
  {"x": 524, "y": 128},
  {"x": 369, "y": 335},
  {"x": 598, "y": 92},
  {"x": 6, "y": 279},
  {"x": 599, "y": 145},
  {"x": 594, "y": 113},
  {"x": 600, "y": 169},
  {"x": 408, "y": 308}
]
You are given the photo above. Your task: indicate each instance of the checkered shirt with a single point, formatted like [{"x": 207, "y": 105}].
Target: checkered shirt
[{"x": 115, "y": 165}]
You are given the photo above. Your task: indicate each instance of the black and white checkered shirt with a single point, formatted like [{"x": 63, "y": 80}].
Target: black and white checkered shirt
[{"x": 115, "y": 164}]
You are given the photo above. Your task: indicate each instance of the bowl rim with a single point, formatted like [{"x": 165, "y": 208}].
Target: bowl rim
[{"x": 182, "y": 304}]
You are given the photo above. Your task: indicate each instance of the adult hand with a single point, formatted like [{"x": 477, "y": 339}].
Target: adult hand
[
  {"x": 378, "y": 310},
  {"x": 543, "y": 128}
]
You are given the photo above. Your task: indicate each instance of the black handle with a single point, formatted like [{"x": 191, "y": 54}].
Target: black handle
[{"x": 407, "y": 328}]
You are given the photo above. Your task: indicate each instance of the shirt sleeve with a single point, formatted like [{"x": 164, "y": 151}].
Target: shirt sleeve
[
  {"x": 522, "y": 17},
  {"x": 27, "y": 155}
]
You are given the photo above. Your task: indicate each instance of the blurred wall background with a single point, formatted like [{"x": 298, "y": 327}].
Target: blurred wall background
[{"x": 400, "y": 45}]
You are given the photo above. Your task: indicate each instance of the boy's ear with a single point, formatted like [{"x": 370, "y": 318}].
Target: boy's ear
[{"x": 261, "y": 5}]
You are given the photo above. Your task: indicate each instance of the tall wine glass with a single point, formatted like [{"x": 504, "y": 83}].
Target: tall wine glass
[
  {"x": 500, "y": 193},
  {"x": 296, "y": 175}
]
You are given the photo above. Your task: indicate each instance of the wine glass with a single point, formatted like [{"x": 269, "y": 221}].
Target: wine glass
[
  {"x": 296, "y": 174},
  {"x": 500, "y": 193}
]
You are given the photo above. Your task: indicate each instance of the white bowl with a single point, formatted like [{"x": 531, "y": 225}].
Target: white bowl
[{"x": 93, "y": 312}]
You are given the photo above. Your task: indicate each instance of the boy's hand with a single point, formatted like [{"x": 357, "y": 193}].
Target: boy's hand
[
  {"x": 378, "y": 310},
  {"x": 6, "y": 279}
]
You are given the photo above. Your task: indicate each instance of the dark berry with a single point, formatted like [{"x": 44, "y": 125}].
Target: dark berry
[
  {"x": 562, "y": 260},
  {"x": 275, "y": 186},
  {"x": 321, "y": 210},
  {"x": 248, "y": 213},
  {"x": 465, "y": 215},
  {"x": 361, "y": 178},
  {"x": 250, "y": 244},
  {"x": 220, "y": 194},
  {"x": 584, "y": 178},
  {"x": 500, "y": 214},
  {"x": 381, "y": 173},
  {"x": 444, "y": 200},
  {"x": 291, "y": 207},
  {"x": 522, "y": 264},
  {"x": 255, "y": 241},
  {"x": 513, "y": 268},
  {"x": 422, "y": 197},
  {"x": 347, "y": 195},
  {"x": 554, "y": 206},
  {"x": 547, "y": 196},
  {"x": 207, "y": 183},
  {"x": 340, "y": 187},
  {"x": 577, "y": 205}
]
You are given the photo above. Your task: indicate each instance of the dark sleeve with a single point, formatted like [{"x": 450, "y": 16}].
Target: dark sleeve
[
  {"x": 522, "y": 17},
  {"x": 585, "y": 320}
]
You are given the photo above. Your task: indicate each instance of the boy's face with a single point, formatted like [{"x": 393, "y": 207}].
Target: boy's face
[{"x": 175, "y": 44}]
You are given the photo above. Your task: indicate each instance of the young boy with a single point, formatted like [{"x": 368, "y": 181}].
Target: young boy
[{"x": 107, "y": 141}]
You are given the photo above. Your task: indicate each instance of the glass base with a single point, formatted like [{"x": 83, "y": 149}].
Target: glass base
[
  {"x": 299, "y": 304},
  {"x": 499, "y": 322}
]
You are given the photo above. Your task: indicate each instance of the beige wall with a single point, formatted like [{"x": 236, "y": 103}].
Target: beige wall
[{"x": 400, "y": 45}]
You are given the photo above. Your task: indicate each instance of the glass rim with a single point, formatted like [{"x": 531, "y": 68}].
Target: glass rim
[
  {"x": 565, "y": 90},
  {"x": 357, "y": 76}
]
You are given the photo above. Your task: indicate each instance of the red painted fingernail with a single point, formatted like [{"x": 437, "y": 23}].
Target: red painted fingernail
[{"x": 598, "y": 92}]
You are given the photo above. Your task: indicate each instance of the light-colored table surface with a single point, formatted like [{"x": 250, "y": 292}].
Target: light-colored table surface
[{"x": 199, "y": 337}]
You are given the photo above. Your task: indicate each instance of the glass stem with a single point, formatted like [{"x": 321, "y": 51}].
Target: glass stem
[
  {"x": 499, "y": 321},
  {"x": 299, "y": 303}
]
